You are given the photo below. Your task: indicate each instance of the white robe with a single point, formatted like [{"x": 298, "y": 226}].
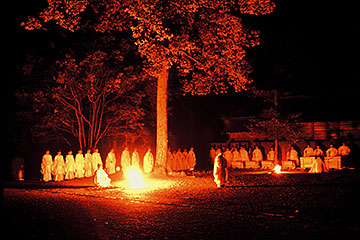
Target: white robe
[
  {"x": 135, "y": 160},
  {"x": 69, "y": 167},
  {"x": 192, "y": 160},
  {"x": 149, "y": 162},
  {"x": 125, "y": 160},
  {"x": 318, "y": 166},
  {"x": 46, "y": 165},
  {"x": 257, "y": 155},
  {"x": 88, "y": 165},
  {"x": 110, "y": 163},
  {"x": 96, "y": 159},
  {"x": 219, "y": 170},
  {"x": 101, "y": 179},
  {"x": 79, "y": 165},
  {"x": 59, "y": 168}
]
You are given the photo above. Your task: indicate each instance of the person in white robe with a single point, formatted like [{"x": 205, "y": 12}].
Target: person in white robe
[
  {"x": 318, "y": 152},
  {"x": 308, "y": 151},
  {"x": 257, "y": 154},
  {"x": 148, "y": 163},
  {"x": 179, "y": 159},
  {"x": 228, "y": 156},
  {"x": 236, "y": 160},
  {"x": 186, "y": 165},
  {"x": 244, "y": 155},
  {"x": 344, "y": 150},
  {"x": 135, "y": 159},
  {"x": 192, "y": 159},
  {"x": 110, "y": 162},
  {"x": 219, "y": 171},
  {"x": 101, "y": 178},
  {"x": 69, "y": 166},
  {"x": 125, "y": 159},
  {"x": 88, "y": 164},
  {"x": 292, "y": 155},
  {"x": 212, "y": 155},
  {"x": 59, "y": 167},
  {"x": 318, "y": 166},
  {"x": 79, "y": 164},
  {"x": 331, "y": 152},
  {"x": 96, "y": 159},
  {"x": 271, "y": 155},
  {"x": 46, "y": 165}
]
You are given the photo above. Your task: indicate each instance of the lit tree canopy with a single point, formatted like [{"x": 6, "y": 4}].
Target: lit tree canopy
[{"x": 205, "y": 41}]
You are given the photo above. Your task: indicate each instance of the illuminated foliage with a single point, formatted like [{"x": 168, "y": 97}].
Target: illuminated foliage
[{"x": 203, "y": 41}]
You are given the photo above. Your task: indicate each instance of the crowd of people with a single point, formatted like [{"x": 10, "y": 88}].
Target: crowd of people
[
  {"x": 241, "y": 157},
  {"x": 181, "y": 160},
  {"x": 226, "y": 158},
  {"x": 90, "y": 164}
]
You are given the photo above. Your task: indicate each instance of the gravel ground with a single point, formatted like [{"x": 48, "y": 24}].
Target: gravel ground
[{"x": 251, "y": 206}]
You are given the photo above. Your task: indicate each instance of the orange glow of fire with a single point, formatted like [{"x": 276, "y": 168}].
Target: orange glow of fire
[
  {"x": 135, "y": 178},
  {"x": 277, "y": 169}
]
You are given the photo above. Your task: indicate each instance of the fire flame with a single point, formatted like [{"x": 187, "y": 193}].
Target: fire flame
[
  {"x": 277, "y": 169},
  {"x": 135, "y": 178}
]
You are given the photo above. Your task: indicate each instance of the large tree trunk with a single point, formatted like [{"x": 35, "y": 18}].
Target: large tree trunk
[{"x": 161, "y": 122}]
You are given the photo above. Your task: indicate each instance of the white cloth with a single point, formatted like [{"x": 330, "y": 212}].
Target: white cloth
[
  {"x": 125, "y": 159},
  {"x": 69, "y": 167},
  {"x": 308, "y": 152},
  {"x": 79, "y": 165},
  {"x": 271, "y": 155},
  {"x": 192, "y": 159},
  {"x": 59, "y": 167},
  {"x": 331, "y": 152},
  {"x": 46, "y": 165},
  {"x": 318, "y": 166},
  {"x": 101, "y": 179},
  {"x": 229, "y": 157},
  {"x": 149, "y": 162},
  {"x": 318, "y": 152},
  {"x": 344, "y": 150},
  {"x": 110, "y": 163},
  {"x": 257, "y": 155},
  {"x": 88, "y": 165},
  {"x": 96, "y": 159},
  {"x": 219, "y": 171},
  {"x": 244, "y": 155},
  {"x": 135, "y": 160}
]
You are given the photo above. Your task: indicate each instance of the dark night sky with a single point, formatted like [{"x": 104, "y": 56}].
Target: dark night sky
[{"x": 307, "y": 47}]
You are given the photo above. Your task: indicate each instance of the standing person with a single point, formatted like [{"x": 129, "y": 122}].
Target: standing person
[
  {"x": 331, "y": 152},
  {"x": 293, "y": 156},
  {"x": 69, "y": 166},
  {"x": 186, "y": 165},
  {"x": 344, "y": 152},
  {"x": 308, "y": 151},
  {"x": 101, "y": 179},
  {"x": 148, "y": 163},
  {"x": 169, "y": 162},
  {"x": 96, "y": 159},
  {"x": 179, "y": 159},
  {"x": 88, "y": 164},
  {"x": 79, "y": 164},
  {"x": 318, "y": 152},
  {"x": 236, "y": 160},
  {"x": 125, "y": 159},
  {"x": 110, "y": 162},
  {"x": 46, "y": 165},
  {"x": 192, "y": 159},
  {"x": 219, "y": 171},
  {"x": 59, "y": 167},
  {"x": 257, "y": 156},
  {"x": 271, "y": 155},
  {"x": 135, "y": 159},
  {"x": 244, "y": 155},
  {"x": 212, "y": 155}
]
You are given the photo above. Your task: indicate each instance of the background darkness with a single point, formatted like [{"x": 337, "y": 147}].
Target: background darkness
[{"x": 309, "y": 48}]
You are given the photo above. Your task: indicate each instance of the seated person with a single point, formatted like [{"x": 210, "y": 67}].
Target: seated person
[{"x": 101, "y": 178}]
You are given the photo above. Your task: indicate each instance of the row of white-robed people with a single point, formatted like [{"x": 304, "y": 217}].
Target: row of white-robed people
[
  {"x": 181, "y": 160},
  {"x": 87, "y": 165},
  {"x": 242, "y": 158}
]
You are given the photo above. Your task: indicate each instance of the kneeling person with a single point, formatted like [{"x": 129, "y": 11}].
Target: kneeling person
[{"x": 101, "y": 178}]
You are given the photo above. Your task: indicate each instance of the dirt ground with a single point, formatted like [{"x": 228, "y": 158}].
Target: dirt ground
[{"x": 251, "y": 206}]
